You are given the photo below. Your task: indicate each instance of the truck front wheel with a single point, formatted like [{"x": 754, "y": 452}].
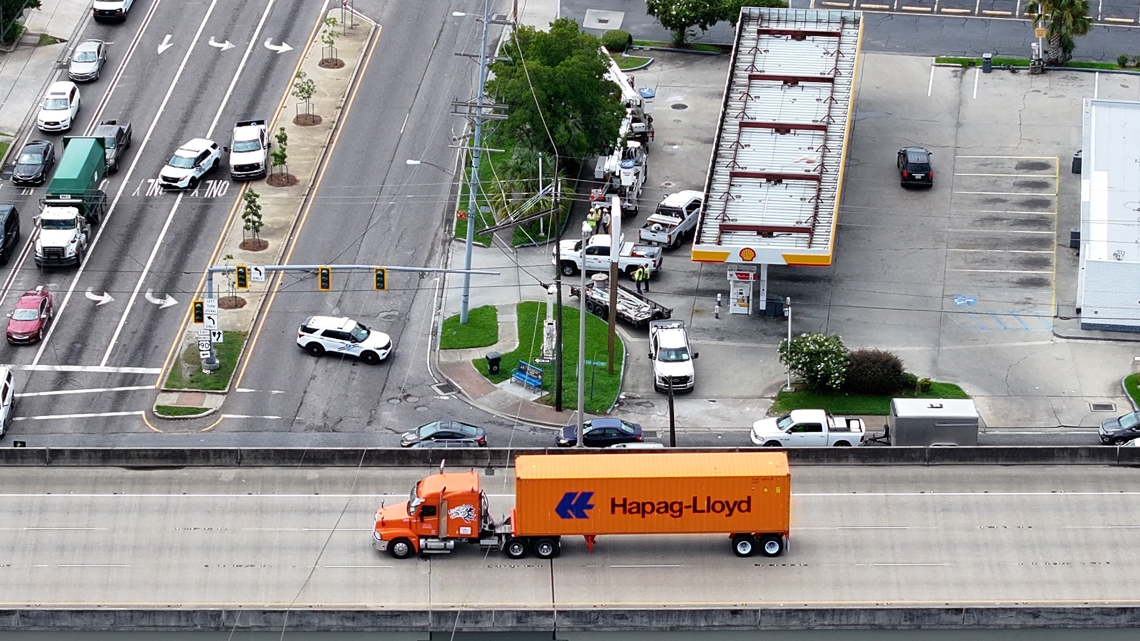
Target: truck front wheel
[
  {"x": 773, "y": 444},
  {"x": 743, "y": 544},
  {"x": 400, "y": 548},
  {"x": 546, "y": 548},
  {"x": 568, "y": 268},
  {"x": 771, "y": 545},
  {"x": 516, "y": 548}
]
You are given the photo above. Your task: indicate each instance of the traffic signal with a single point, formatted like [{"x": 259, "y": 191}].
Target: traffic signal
[
  {"x": 381, "y": 276},
  {"x": 242, "y": 273},
  {"x": 324, "y": 276},
  {"x": 199, "y": 307}
]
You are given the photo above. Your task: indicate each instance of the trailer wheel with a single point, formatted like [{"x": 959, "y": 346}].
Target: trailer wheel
[
  {"x": 546, "y": 548},
  {"x": 568, "y": 268},
  {"x": 400, "y": 548},
  {"x": 591, "y": 307},
  {"x": 771, "y": 545},
  {"x": 743, "y": 544},
  {"x": 516, "y": 548}
]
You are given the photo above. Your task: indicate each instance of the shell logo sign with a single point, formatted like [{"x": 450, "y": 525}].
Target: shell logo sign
[{"x": 748, "y": 254}]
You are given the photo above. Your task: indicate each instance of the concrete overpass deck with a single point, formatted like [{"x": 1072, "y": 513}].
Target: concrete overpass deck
[{"x": 872, "y": 546}]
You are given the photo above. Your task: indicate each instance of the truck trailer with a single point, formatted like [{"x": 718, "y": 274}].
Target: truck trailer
[
  {"x": 932, "y": 421},
  {"x": 742, "y": 494},
  {"x": 73, "y": 203}
]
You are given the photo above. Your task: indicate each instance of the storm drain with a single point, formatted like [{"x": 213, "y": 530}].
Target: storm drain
[
  {"x": 443, "y": 389},
  {"x": 1103, "y": 407}
]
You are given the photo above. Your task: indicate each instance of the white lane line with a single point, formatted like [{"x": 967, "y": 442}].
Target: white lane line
[
  {"x": 101, "y": 390},
  {"x": 86, "y": 369},
  {"x": 1000, "y": 271},
  {"x": 650, "y": 565},
  {"x": 339, "y": 567},
  {"x": 1053, "y": 158},
  {"x": 930, "y": 84},
  {"x": 1004, "y": 193},
  {"x": 977, "y": 74},
  {"x": 1101, "y": 527},
  {"x": 246, "y": 390},
  {"x": 1024, "y": 175},
  {"x": 1001, "y": 231},
  {"x": 170, "y": 218},
  {"x": 1000, "y": 251},
  {"x": 137, "y": 157},
  {"x": 51, "y": 417},
  {"x": 83, "y": 565},
  {"x": 905, "y": 565},
  {"x": 304, "y": 529},
  {"x": 28, "y": 529},
  {"x": 250, "y": 416}
]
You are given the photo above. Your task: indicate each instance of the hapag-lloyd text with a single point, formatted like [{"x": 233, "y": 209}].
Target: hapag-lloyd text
[{"x": 677, "y": 509}]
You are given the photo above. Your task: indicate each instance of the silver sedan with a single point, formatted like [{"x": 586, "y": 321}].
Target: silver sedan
[{"x": 87, "y": 60}]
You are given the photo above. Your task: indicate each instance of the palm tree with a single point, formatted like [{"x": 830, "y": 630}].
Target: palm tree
[{"x": 1062, "y": 20}]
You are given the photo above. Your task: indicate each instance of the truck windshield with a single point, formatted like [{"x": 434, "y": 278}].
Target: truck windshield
[
  {"x": 676, "y": 355},
  {"x": 785, "y": 422},
  {"x": 414, "y": 500},
  {"x": 109, "y": 142},
  {"x": 48, "y": 223},
  {"x": 246, "y": 145}
]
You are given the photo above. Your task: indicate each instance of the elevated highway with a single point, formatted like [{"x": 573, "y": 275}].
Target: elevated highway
[{"x": 262, "y": 547}]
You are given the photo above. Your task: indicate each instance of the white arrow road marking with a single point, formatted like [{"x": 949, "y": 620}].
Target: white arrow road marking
[
  {"x": 104, "y": 299},
  {"x": 166, "y": 44},
  {"x": 221, "y": 45},
  {"x": 282, "y": 48},
  {"x": 162, "y": 303}
]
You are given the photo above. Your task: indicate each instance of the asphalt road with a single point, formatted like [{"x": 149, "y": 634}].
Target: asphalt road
[{"x": 275, "y": 537}]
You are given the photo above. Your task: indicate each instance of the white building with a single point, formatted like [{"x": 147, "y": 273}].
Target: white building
[{"x": 1108, "y": 284}]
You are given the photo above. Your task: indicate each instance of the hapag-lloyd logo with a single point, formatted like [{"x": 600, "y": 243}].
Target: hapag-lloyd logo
[{"x": 677, "y": 509}]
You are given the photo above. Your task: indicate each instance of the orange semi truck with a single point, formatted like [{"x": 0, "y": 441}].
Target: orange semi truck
[{"x": 742, "y": 494}]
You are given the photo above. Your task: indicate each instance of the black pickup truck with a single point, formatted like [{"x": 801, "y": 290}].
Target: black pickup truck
[{"x": 116, "y": 141}]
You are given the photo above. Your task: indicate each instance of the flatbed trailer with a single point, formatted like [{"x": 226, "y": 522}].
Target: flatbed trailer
[{"x": 632, "y": 308}]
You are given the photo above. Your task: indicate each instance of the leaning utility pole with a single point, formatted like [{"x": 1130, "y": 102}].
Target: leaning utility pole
[{"x": 477, "y": 112}]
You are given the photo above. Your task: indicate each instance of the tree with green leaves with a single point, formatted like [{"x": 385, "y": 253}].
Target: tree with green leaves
[
  {"x": 682, "y": 17},
  {"x": 303, "y": 89},
  {"x": 329, "y": 36},
  {"x": 10, "y": 11},
  {"x": 251, "y": 214},
  {"x": 819, "y": 359},
  {"x": 1063, "y": 20},
  {"x": 558, "y": 100},
  {"x": 279, "y": 156}
]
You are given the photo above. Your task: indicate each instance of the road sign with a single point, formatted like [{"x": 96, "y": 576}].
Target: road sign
[
  {"x": 210, "y": 321},
  {"x": 204, "y": 346},
  {"x": 1039, "y": 32},
  {"x": 211, "y": 305},
  {"x": 204, "y": 354},
  {"x": 203, "y": 334},
  {"x": 216, "y": 336},
  {"x": 257, "y": 273}
]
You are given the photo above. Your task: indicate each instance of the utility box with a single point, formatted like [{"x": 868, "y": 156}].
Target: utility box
[
  {"x": 987, "y": 62},
  {"x": 933, "y": 421},
  {"x": 1076, "y": 168}
]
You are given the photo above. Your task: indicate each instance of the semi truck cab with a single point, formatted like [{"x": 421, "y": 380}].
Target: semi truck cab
[{"x": 442, "y": 509}]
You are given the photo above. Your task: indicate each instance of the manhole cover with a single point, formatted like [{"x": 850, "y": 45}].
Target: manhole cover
[
  {"x": 443, "y": 389},
  {"x": 421, "y": 408},
  {"x": 667, "y": 184},
  {"x": 1103, "y": 407},
  {"x": 679, "y": 106},
  {"x": 393, "y": 401},
  {"x": 412, "y": 399}
]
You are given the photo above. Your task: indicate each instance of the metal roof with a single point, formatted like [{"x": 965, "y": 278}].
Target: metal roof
[
  {"x": 772, "y": 193},
  {"x": 1110, "y": 181}
]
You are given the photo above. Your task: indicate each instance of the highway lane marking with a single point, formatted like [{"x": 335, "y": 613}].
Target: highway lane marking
[
  {"x": 49, "y": 417},
  {"x": 86, "y": 369},
  {"x": 246, "y": 390},
  {"x": 337, "y": 567},
  {"x": 250, "y": 416},
  {"x": 25, "y": 529},
  {"x": 650, "y": 565},
  {"x": 306, "y": 529},
  {"x": 81, "y": 565},
  {"x": 209, "y": 134},
  {"x": 98, "y": 390},
  {"x": 889, "y": 565}
]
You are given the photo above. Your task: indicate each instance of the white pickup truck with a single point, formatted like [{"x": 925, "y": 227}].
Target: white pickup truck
[
  {"x": 676, "y": 217},
  {"x": 249, "y": 150},
  {"x": 671, "y": 357},
  {"x": 597, "y": 256},
  {"x": 808, "y": 428}
]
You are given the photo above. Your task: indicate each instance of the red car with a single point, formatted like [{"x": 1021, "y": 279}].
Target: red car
[{"x": 33, "y": 313}]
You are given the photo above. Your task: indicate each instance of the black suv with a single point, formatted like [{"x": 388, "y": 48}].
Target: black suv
[{"x": 914, "y": 167}]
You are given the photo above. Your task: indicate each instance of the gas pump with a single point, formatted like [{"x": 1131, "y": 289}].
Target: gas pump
[{"x": 740, "y": 289}]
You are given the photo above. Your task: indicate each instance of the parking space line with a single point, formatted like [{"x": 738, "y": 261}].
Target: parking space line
[
  {"x": 977, "y": 74},
  {"x": 845, "y": 5},
  {"x": 879, "y": 7},
  {"x": 997, "y": 320},
  {"x": 991, "y": 12},
  {"x": 977, "y": 7},
  {"x": 930, "y": 84},
  {"x": 1119, "y": 20},
  {"x": 916, "y": 9},
  {"x": 953, "y": 10}
]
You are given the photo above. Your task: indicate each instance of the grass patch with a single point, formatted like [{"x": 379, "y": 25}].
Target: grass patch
[
  {"x": 179, "y": 410},
  {"x": 856, "y": 404},
  {"x": 629, "y": 62},
  {"x": 1021, "y": 62},
  {"x": 481, "y": 330},
  {"x": 45, "y": 40},
  {"x": 601, "y": 388},
  {"x": 692, "y": 46},
  {"x": 1132, "y": 387},
  {"x": 4, "y": 148},
  {"x": 187, "y": 370}
]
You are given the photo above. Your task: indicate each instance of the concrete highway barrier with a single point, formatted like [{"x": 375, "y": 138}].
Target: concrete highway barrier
[{"x": 498, "y": 457}]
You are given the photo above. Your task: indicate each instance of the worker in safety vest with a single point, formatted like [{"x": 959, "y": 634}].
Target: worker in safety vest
[
  {"x": 641, "y": 278},
  {"x": 592, "y": 220}
]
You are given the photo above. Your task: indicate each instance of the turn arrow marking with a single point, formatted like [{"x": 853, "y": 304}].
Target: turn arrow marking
[
  {"x": 105, "y": 298},
  {"x": 282, "y": 48},
  {"x": 166, "y": 44},
  {"x": 221, "y": 45},
  {"x": 162, "y": 303}
]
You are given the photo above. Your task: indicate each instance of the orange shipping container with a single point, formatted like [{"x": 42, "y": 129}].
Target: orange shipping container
[{"x": 641, "y": 493}]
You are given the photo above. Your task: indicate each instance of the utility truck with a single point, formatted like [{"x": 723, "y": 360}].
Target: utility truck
[
  {"x": 808, "y": 428},
  {"x": 622, "y": 174},
  {"x": 675, "y": 218},
  {"x": 249, "y": 150},
  {"x": 73, "y": 203},
  {"x": 571, "y": 259},
  {"x": 742, "y": 494}
]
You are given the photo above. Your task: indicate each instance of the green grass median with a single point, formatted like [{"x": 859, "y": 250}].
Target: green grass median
[
  {"x": 187, "y": 374},
  {"x": 856, "y": 404}
]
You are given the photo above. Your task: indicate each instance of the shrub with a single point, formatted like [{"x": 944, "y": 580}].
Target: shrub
[
  {"x": 1135, "y": 60},
  {"x": 617, "y": 41},
  {"x": 910, "y": 382},
  {"x": 874, "y": 372},
  {"x": 820, "y": 359},
  {"x": 924, "y": 385},
  {"x": 1122, "y": 60}
]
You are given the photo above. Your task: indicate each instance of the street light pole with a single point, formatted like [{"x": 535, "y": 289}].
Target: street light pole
[
  {"x": 788, "y": 310},
  {"x": 582, "y": 343},
  {"x": 476, "y": 152}
]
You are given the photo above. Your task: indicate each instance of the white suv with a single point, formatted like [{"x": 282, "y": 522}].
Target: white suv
[
  {"x": 326, "y": 334},
  {"x": 60, "y": 106},
  {"x": 193, "y": 160},
  {"x": 670, "y": 355}
]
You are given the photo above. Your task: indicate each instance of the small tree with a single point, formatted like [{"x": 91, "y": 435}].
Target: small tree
[
  {"x": 303, "y": 89},
  {"x": 820, "y": 359},
  {"x": 251, "y": 214},
  {"x": 329, "y": 36},
  {"x": 874, "y": 371},
  {"x": 280, "y": 155}
]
